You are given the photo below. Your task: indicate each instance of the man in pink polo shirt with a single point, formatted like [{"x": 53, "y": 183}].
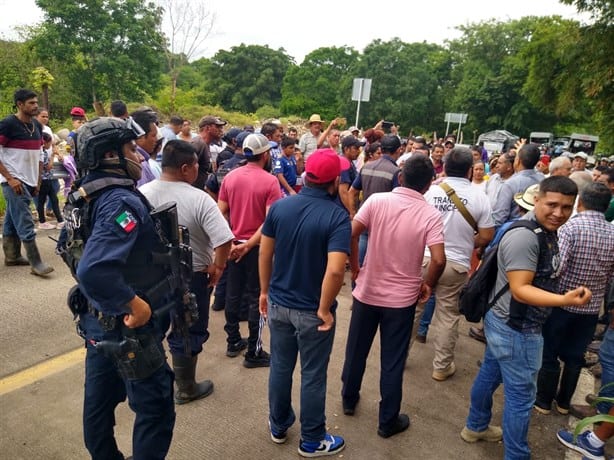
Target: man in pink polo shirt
[
  {"x": 389, "y": 284},
  {"x": 244, "y": 199}
]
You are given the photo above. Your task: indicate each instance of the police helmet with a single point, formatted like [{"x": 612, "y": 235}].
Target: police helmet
[{"x": 102, "y": 135}]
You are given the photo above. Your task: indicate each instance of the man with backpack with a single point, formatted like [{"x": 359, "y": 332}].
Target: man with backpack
[
  {"x": 513, "y": 325},
  {"x": 473, "y": 308}
]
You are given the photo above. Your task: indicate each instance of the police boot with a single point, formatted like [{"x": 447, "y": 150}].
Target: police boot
[
  {"x": 12, "y": 251},
  {"x": 38, "y": 266},
  {"x": 187, "y": 387},
  {"x": 569, "y": 381},
  {"x": 547, "y": 383}
]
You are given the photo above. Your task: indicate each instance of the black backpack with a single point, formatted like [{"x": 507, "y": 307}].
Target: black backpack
[{"x": 473, "y": 302}]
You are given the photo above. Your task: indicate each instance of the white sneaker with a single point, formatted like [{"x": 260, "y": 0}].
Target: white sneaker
[
  {"x": 46, "y": 226},
  {"x": 60, "y": 225}
]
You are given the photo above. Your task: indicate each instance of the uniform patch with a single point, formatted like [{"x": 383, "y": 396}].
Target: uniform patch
[{"x": 126, "y": 221}]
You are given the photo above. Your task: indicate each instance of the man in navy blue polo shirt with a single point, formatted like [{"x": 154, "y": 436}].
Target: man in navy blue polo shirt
[
  {"x": 377, "y": 176},
  {"x": 305, "y": 243}
]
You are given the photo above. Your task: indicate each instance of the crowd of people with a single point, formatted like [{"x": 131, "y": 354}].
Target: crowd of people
[{"x": 276, "y": 219}]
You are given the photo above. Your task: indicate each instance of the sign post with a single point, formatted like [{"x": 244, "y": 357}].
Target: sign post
[
  {"x": 459, "y": 118},
  {"x": 361, "y": 91}
]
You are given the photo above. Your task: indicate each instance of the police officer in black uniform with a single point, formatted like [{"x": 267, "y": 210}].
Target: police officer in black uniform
[{"x": 108, "y": 242}]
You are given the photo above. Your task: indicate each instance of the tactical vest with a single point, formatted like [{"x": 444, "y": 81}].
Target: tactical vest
[
  {"x": 527, "y": 318},
  {"x": 225, "y": 167},
  {"x": 141, "y": 271}
]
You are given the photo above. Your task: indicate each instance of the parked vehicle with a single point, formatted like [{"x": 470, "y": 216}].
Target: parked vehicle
[
  {"x": 560, "y": 144},
  {"x": 540, "y": 138},
  {"x": 497, "y": 141},
  {"x": 582, "y": 143}
]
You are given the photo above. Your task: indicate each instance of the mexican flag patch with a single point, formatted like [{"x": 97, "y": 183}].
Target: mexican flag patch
[{"x": 126, "y": 221}]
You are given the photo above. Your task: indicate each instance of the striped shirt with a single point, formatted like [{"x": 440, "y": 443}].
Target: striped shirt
[
  {"x": 20, "y": 149},
  {"x": 586, "y": 244}
]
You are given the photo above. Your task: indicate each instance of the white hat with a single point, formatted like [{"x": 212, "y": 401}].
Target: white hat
[
  {"x": 255, "y": 144},
  {"x": 526, "y": 199},
  {"x": 582, "y": 155}
]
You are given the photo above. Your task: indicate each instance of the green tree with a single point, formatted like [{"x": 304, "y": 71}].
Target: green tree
[
  {"x": 407, "y": 82},
  {"x": 108, "y": 48},
  {"x": 571, "y": 73},
  {"x": 593, "y": 66},
  {"x": 490, "y": 72},
  {"x": 247, "y": 77},
  {"x": 321, "y": 84},
  {"x": 42, "y": 81},
  {"x": 601, "y": 10},
  {"x": 195, "y": 76},
  {"x": 15, "y": 62}
]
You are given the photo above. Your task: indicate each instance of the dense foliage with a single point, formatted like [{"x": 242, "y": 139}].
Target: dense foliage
[{"x": 530, "y": 74}]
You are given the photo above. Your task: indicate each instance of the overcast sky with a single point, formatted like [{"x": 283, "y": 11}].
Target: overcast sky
[{"x": 303, "y": 26}]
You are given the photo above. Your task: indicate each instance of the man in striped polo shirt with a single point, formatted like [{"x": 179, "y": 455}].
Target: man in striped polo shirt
[{"x": 20, "y": 169}]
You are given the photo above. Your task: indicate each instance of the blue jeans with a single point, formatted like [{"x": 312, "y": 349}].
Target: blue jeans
[
  {"x": 362, "y": 247},
  {"x": 514, "y": 359},
  {"x": 606, "y": 357},
  {"x": 18, "y": 219},
  {"x": 295, "y": 332},
  {"x": 151, "y": 399},
  {"x": 427, "y": 316},
  {"x": 56, "y": 189}
]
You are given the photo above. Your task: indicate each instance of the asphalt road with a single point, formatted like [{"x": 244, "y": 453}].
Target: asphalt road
[{"x": 41, "y": 417}]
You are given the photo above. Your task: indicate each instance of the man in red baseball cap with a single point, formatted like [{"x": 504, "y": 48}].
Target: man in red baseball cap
[
  {"x": 77, "y": 114},
  {"x": 543, "y": 164},
  {"x": 302, "y": 267}
]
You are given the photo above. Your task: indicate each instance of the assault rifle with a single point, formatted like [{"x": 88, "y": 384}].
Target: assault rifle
[{"x": 182, "y": 304}]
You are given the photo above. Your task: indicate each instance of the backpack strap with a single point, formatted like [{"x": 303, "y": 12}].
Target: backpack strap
[
  {"x": 498, "y": 295},
  {"x": 459, "y": 205}
]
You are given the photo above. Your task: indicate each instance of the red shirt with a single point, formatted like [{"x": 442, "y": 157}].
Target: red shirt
[{"x": 248, "y": 191}]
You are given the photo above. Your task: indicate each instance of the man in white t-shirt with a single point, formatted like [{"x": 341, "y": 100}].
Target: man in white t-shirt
[
  {"x": 459, "y": 239},
  {"x": 210, "y": 239}
]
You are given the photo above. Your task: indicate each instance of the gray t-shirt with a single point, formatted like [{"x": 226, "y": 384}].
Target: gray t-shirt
[
  {"x": 518, "y": 250},
  {"x": 197, "y": 211}
]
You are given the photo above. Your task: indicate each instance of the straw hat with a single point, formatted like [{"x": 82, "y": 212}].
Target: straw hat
[
  {"x": 526, "y": 199},
  {"x": 315, "y": 118}
]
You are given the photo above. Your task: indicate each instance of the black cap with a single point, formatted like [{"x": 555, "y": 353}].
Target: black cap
[
  {"x": 231, "y": 135},
  {"x": 351, "y": 141},
  {"x": 390, "y": 143}
]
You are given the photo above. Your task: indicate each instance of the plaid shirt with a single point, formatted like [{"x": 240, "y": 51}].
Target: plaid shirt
[{"x": 586, "y": 244}]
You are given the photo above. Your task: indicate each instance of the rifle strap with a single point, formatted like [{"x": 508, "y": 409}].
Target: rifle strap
[{"x": 459, "y": 205}]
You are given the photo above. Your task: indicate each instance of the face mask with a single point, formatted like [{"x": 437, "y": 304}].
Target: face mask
[{"x": 134, "y": 169}]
